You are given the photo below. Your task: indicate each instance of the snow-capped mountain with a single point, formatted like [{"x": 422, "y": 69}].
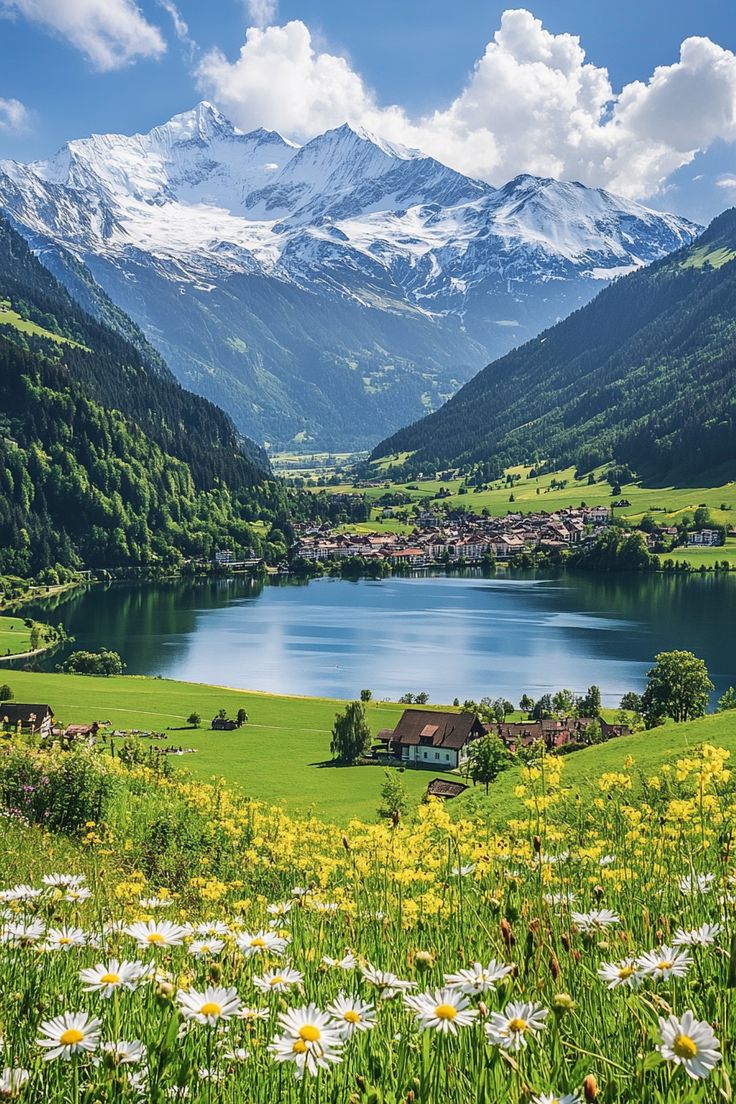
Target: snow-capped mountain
[{"x": 325, "y": 293}]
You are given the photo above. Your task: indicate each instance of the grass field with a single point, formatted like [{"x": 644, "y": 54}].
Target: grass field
[
  {"x": 14, "y": 636},
  {"x": 668, "y": 504},
  {"x": 707, "y": 556},
  {"x": 278, "y": 756},
  {"x": 10, "y": 317}
]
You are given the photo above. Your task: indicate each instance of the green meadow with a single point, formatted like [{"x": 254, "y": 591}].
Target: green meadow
[{"x": 281, "y": 755}]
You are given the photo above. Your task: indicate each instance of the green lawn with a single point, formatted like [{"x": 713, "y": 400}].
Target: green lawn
[
  {"x": 708, "y": 556},
  {"x": 276, "y": 757},
  {"x": 14, "y": 636},
  {"x": 668, "y": 504}
]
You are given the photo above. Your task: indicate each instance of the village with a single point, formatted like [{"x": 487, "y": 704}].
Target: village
[{"x": 459, "y": 537}]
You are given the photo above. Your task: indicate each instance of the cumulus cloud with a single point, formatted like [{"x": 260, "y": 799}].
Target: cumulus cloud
[
  {"x": 13, "y": 115},
  {"x": 110, "y": 33},
  {"x": 532, "y": 103}
]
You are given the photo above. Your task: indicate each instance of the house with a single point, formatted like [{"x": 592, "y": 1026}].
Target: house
[
  {"x": 35, "y": 718},
  {"x": 710, "y": 538},
  {"x": 443, "y": 787},
  {"x": 223, "y": 557},
  {"x": 555, "y": 732},
  {"x": 430, "y": 738},
  {"x": 224, "y": 724}
]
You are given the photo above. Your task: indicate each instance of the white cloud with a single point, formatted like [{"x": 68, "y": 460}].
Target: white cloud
[
  {"x": 111, "y": 33},
  {"x": 13, "y": 115},
  {"x": 262, "y": 13},
  {"x": 531, "y": 104},
  {"x": 728, "y": 182},
  {"x": 181, "y": 27}
]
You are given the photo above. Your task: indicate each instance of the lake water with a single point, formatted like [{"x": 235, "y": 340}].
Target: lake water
[{"x": 450, "y": 636}]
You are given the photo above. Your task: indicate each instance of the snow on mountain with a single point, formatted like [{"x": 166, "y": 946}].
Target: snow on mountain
[{"x": 346, "y": 285}]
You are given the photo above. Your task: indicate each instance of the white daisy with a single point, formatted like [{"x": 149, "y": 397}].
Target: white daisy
[
  {"x": 443, "y": 1010},
  {"x": 63, "y": 881},
  {"x": 77, "y": 894},
  {"x": 619, "y": 973},
  {"x": 519, "y": 1021},
  {"x": 236, "y": 1054},
  {"x": 23, "y": 933},
  {"x": 122, "y": 1053},
  {"x": 68, "y": 1034},
  {"x": 351, "y": 1015},
  {"x": 704, "y": 936},
  {"x": 20, "y": 893},
  {"x": 108, "y": 978},
  {"x": 347, "y": 962},
  {"x": 309, "y": 1039},
  {"x": 12, "y": 1081},
  {"x": 252, "y": 1015},
  {"x": 262, "y": 942},
  {"x": 689, "y": 1043},
  {"x": 212, "y": 929},
  {"x": 152, "y": 934},
  {"x": 595, "y": 920},
  {"x": 479, "y": 979},
  {"x": 279, "y": 908},
  {"x": 156, "y": 902},
  {"x": 692, "y": 884},
  {"x": 567, "y": 898},
  {"x": 63, "y": 939},
  {"x": 664, "y": 963},
  {"x": 214, "y": 1004},
  {"x": 206, "y": 948},
  {"x": 606, "y": 860},
  {"x": 278, "y": 981},
  {"x": 388, "y": 984},
  {"x": 463, "y": 870}
]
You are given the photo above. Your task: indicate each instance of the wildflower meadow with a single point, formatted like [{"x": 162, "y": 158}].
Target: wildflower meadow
[{"x": 586, "y": 951}]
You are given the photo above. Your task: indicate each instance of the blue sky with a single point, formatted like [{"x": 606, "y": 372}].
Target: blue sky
[{"x": 405, "y": 68}]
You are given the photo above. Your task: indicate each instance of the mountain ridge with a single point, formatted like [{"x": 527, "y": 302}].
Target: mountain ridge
[
  {"x": 229, "y": 250},
  {"x": 644, "y": 376}
]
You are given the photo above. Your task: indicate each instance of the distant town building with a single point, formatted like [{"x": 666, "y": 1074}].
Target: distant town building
[{"x": 710, "y": 538}]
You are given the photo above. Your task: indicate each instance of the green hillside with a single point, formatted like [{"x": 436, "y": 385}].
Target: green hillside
[
  {"x": 645, "y": 376},
  {"x": 104, "y": 458}
]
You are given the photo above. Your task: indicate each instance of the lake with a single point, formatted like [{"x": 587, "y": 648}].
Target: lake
[{"x": 456, "y": 636}]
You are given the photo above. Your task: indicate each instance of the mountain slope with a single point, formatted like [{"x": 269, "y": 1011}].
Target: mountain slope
[
  {"x": 103, "y": 460},
  {"x": 328, "y": 292},
  {"x": 644, "y": 375}
]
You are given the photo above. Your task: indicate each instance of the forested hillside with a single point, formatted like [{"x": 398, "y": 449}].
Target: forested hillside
[
  {"x": 644, "y": 375},
  {"x": 104, "y": 458}
]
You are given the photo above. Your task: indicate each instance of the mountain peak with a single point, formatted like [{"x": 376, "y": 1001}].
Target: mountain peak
[{"x": 201, "y": 123}]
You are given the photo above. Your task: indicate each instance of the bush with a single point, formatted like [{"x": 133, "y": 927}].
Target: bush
[{"x": 63, "y": 791}]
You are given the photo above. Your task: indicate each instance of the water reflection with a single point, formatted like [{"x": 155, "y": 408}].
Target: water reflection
[{"x": 458, "y": 636}]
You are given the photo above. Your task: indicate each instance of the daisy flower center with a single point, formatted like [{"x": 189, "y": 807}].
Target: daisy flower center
[
  {"x": 309, "y": 1033},
  {"x": 64, "y": 940},
  {"x": 71, "y": 1036},
  {"x": 110, "y": 979},
  {"x": 445, "y": 1012},
  {"x": 626, "y": 972},
  {"x": 685, "y": 1047},
  {"x": 276, "y": 980},
  {"x": 666, "y": 964},
  {"x": 155, "y": 937},
  {"x": 258, "y": 942},
  {"x": 351, "y": 1016},
  {"x": 299, "y": 1046},
  {"x": 517, "y": 1024},
  {"x": 210, "y": 1008}
]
